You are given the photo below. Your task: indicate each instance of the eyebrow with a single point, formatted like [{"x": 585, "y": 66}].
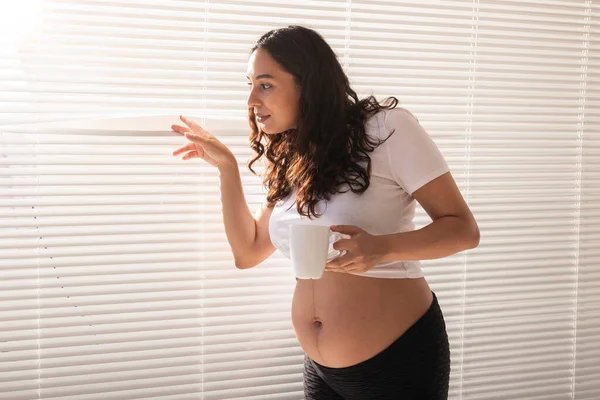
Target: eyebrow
[{"x": 262, "y": 76}]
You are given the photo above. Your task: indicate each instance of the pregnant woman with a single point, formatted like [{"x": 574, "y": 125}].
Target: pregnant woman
[{"x": 371, "y": 327}]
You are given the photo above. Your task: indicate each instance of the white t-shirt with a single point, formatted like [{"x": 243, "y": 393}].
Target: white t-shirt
[{"x": 406, "y": 161}]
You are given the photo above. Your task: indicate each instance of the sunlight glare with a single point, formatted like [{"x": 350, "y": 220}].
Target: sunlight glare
[{"x": 18, "y": 19}]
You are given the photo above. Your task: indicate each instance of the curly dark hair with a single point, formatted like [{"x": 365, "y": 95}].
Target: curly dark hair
[{"x": 328, "y": 151}]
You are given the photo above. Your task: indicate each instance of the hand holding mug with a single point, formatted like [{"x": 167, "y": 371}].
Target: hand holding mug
[
  {"x": 362, "y": 251},
  {"x": 311, "y": 246}
]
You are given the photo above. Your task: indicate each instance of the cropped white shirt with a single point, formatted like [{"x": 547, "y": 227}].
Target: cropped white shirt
[{"x": 406, "y": 161}]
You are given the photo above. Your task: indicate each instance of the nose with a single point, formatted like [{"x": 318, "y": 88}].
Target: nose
[{"x": 253, "y": 99}]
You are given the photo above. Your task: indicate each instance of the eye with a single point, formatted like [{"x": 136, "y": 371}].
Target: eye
[{"x": 263, "y": 86}]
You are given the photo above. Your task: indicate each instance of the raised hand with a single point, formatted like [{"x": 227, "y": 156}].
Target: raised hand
[{"x": 202, "y": 144}]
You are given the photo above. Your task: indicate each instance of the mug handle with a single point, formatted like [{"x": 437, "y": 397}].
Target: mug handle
[{"x": 334, "y": 237}]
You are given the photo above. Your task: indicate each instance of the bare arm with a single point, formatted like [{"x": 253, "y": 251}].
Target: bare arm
[
  {"x": 248, "y": 237},
  {"x": 453, "y": 228}
]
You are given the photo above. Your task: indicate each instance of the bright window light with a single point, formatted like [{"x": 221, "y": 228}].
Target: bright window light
[{"x": 17, "y": 19}]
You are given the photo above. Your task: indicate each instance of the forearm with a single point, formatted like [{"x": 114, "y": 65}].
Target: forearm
[
  {"x": 443, "y": 237},
  {"x": 240, "y": 225}
]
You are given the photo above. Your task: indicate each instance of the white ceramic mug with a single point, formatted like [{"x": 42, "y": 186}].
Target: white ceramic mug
[{"x": 311, "y": 247}]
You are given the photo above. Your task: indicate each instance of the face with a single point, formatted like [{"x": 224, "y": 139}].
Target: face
[{"x": 274, "y": 95}]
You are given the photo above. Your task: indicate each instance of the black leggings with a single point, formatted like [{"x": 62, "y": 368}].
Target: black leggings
[{"x": 415, "y": 367}]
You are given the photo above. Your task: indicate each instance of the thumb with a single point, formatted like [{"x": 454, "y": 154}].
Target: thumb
[{"x": 346, "y": 229}]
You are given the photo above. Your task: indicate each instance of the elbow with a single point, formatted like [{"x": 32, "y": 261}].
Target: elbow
[
  {"x": 244, "y": 263},
  {"x": 239, "y": 265},
  {"x": 472, "y": 236}
]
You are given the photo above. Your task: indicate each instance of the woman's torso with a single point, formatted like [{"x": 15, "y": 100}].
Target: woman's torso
[
  {"x": 344, "y": 319},
  {"x": 384, "y": 208}
]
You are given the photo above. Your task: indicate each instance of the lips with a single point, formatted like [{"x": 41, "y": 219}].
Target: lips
[{"x": 262, "y": 118}]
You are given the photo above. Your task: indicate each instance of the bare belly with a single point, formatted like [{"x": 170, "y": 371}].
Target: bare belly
[{"x": 343, "y": 319}]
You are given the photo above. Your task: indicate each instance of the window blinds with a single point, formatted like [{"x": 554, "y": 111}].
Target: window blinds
[{"x": 117, "y": 280}]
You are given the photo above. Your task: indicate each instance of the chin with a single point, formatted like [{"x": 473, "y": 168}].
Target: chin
[
  {"x": 271, "y": 131},
  {"x": 265, "y": 129}
]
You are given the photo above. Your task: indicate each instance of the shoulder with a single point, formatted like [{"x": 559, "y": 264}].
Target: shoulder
[
  {"x": 387, "y": 121},
  {"x": 399, "y": 118}
]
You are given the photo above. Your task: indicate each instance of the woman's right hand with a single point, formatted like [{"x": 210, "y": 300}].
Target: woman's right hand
[{"x": 202, "y": 144}]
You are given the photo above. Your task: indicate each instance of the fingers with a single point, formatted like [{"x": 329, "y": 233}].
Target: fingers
[
  {"x": 342, "y": 244},
  {"x": 192, "y": 150},
  {"x": 191, "y": 123},
  {"x": 336, "y": 267},
  {"x": 180, "y": 129},
  {"x": 187, "y": 147},
  {"x": 190, "y": 135},
  {"x": 340, "y": 262},
  {"x": 346, "y": 229},
  {"x": 193, "y": 132},
  {"x": 192, "y": 126},
  {"x": 191, "y": 154}
]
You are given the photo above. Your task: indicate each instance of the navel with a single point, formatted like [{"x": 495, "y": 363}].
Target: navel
[{"x": 317, "y": 323}]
